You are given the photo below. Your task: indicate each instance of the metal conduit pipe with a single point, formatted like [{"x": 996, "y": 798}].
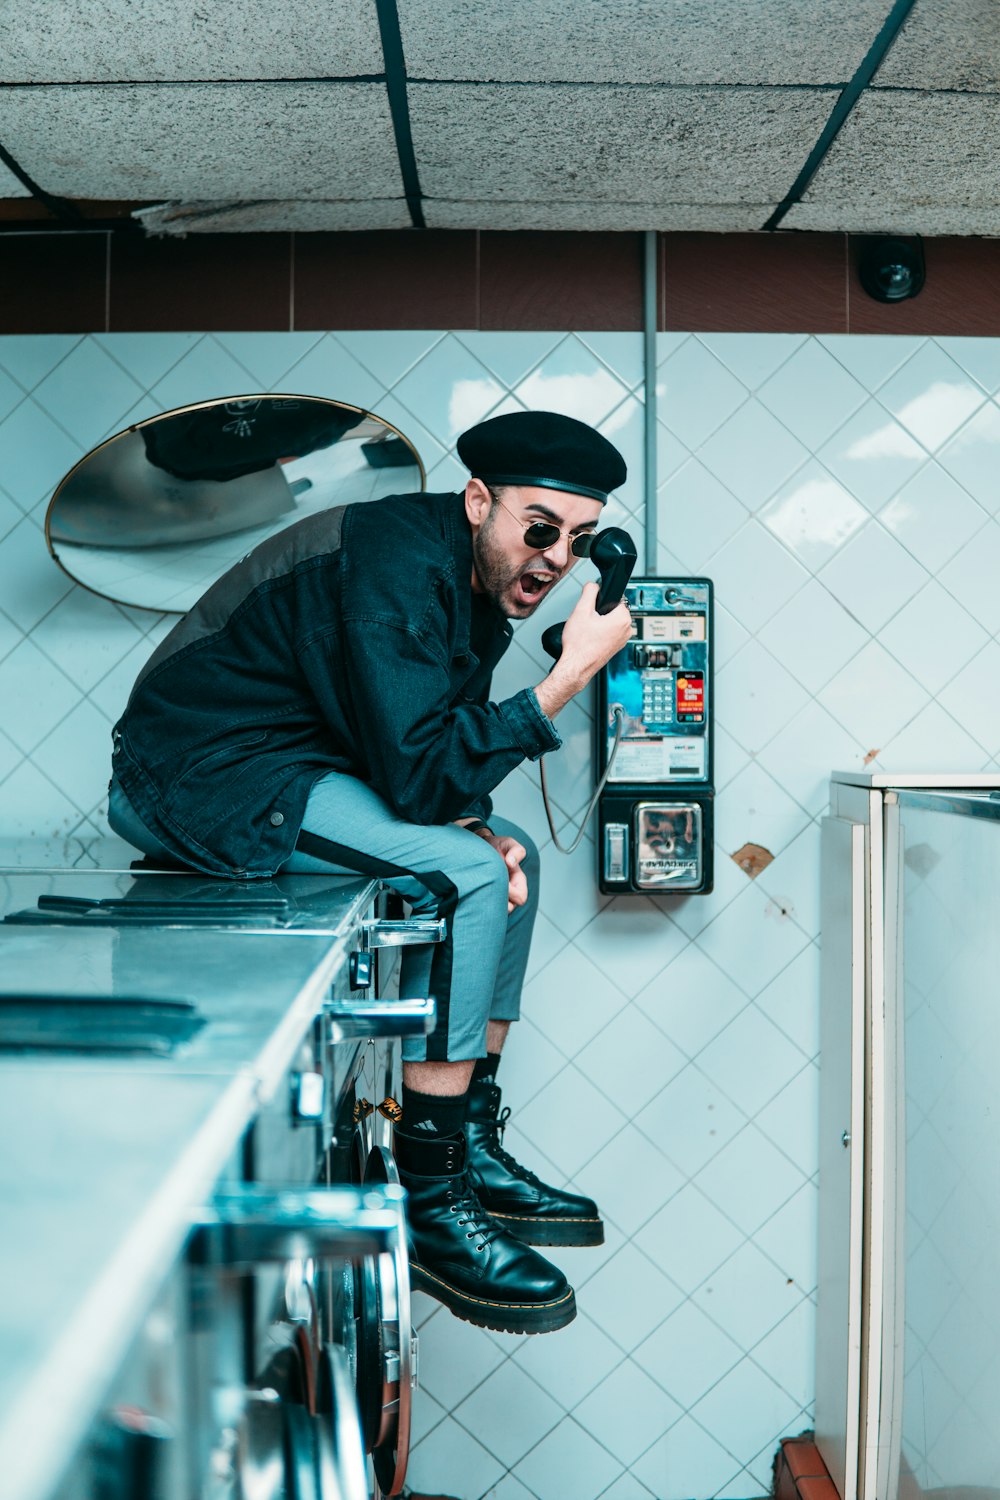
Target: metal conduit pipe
[{"x": 649, "y": 391}]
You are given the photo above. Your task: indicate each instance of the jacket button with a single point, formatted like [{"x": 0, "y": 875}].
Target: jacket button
[{"x": 277, "y": 819}]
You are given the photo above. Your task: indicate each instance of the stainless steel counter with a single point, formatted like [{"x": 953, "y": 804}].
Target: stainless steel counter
[{"x": 105, "y": 1156}]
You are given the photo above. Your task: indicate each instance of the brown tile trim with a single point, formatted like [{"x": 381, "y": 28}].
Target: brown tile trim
[
  {"x": 961, "y": 294},
  {"x": 800, "y": 1473},
  {"x": 803, "y": 1458},
  {"x": 560, "y": 280},
  {"x": 755, "y": 283},
  {"x": 393, "y": 279},
  {"x": 211, "y": 282},
  {"x": 53, "y": 283}
]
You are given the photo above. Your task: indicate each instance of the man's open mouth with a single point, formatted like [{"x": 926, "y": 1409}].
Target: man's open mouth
[{"x": 533, "y": 585}]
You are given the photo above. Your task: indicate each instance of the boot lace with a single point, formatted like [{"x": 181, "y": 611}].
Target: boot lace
[
  {"x": 511, "y": 1162},
  {"x": 462, "y": 1200}
]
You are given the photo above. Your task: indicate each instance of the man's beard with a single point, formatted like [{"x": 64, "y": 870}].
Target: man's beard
[{"x": 499, "y": 579}]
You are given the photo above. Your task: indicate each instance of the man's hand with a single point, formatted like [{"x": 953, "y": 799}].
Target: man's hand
[
  {"x": 512, "y": 853},
  {"x": 589, "y": 640}
]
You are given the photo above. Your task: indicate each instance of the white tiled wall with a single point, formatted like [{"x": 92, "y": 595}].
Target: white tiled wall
[{"x": 841, "y": 493}]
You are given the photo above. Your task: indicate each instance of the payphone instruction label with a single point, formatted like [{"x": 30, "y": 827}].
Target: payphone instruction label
[{"x": 657, "y": 759}]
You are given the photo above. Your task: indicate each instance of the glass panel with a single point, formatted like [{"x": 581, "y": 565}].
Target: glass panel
[
  {"x": 950, "y": 1227},
  {"x": 155, "y": 515}
]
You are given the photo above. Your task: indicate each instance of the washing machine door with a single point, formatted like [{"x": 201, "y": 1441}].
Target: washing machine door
[{"x": 386, "y": 1349}]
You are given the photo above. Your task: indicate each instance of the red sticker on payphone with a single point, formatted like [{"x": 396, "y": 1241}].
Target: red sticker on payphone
[{"x": 690, "y": 697}]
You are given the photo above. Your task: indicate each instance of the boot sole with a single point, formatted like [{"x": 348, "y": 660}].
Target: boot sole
[
  {"x": 532, "y": 1231},
  {"x": 502, "y": 1317}
]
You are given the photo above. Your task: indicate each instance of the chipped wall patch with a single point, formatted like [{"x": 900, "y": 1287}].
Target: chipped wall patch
[
  {"x": 752, "y": 859},
  {"x": 871, "y": 756}
]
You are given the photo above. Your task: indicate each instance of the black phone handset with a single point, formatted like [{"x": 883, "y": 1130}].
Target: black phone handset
[{"x": 613, "y": 553}]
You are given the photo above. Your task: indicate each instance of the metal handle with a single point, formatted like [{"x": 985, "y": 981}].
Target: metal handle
[
  {"x": 251, "y": 1225},
  {"x": 351, "y": 1020},
  {"x": 382, "y": 933}
]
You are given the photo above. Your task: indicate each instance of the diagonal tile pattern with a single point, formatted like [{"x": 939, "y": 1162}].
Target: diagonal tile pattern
[{"x": 841, "y": 493}]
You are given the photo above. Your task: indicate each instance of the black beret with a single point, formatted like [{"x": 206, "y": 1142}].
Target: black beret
[{"x": 543, "y": 448}]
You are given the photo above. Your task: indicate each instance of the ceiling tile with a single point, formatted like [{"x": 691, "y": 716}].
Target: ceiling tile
[
  {"x": 112, "y": 40},
  {"x": 908, "y": 149},
  {"x": 954, "y": 47},
  {"x": 276, "y": 215},
  {"x": 305, "y": 140},
  {"x": 524, "y": 40},
  {"x": 713, "y": 145}
]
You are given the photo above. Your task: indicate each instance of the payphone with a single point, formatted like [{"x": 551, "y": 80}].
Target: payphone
[{"x": 654, "y": 732}]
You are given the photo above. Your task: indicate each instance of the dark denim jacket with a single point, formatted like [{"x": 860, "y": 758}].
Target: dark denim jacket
[{"x": 342, "y": 644}]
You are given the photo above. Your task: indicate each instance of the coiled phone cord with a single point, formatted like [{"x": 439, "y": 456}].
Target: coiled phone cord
[{"x": 619, "y": 716}]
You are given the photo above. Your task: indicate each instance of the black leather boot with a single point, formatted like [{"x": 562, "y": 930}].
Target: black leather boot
[
  {"x": 467, "y": 1260},
  {"x": 515, "y": 1197}
]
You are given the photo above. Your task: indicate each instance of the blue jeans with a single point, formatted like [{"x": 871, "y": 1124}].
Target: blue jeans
[{"x": 476, "y": 974}]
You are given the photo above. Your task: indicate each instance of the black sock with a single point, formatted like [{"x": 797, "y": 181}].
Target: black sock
[
  {"x": 431, "y": 1116},
  {"x": 486, "y": 1068}
]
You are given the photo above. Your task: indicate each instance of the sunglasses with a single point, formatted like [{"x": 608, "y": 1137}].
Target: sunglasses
[{"x": 542, "y": 534}]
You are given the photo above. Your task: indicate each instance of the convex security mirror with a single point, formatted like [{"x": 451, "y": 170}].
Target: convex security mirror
[{"x": 153, "y": 516}]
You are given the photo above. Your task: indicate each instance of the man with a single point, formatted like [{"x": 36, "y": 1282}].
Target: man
[{"x": 326, "y": 706}]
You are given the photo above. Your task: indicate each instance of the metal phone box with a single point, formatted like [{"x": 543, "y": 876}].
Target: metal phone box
[{"x": 655, "y": 812}]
